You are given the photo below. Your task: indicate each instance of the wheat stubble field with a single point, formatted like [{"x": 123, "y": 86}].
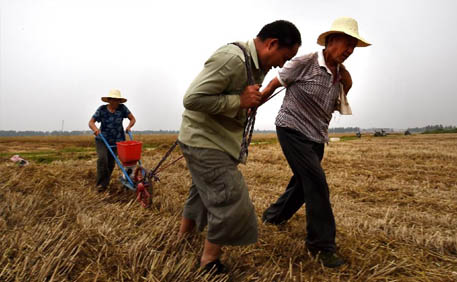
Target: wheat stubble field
[{"x": 394, "y": 200}]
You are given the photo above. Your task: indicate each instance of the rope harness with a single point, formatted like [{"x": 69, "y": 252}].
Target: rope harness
[
  {"x": 143, "y": 196},
  {"x": 252, "y": 112},
  {"x": 250, "y": 121}
]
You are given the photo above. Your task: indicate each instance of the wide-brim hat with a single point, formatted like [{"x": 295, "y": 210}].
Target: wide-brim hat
[
  {"x": 114, "y": 94},
  {"x": 347, "y": 26}
]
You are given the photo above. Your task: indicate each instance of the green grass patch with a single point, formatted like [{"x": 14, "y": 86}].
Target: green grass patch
[
  {"x": 76, "y": 149},
  {"x": 258, "y": 142},
  {"x": 48, "y": 156},
  {"x": 39, "y": 157},
  {"x": 151, "y": 145},
  {"x": 440, "y": 131},
  {"x": 348, "y": 138}
]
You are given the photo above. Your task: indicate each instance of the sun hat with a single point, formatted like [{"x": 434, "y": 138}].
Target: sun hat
[
  {"x": 114, "y": 94},
  {"x": 347, "y": 26}
]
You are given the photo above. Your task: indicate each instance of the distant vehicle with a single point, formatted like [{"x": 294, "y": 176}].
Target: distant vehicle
[
  {"x": 380, "y": 133},
  {"x": 407, "y": 132}
]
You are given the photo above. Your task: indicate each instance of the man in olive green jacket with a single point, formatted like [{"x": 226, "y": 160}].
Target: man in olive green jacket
[{"x": 211, "y": 133}]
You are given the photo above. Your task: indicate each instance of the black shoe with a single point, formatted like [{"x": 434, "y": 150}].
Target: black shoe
[
  {"x": 330, "y": 259},
  {"x": 267, "y": 222},
  {"x": 101, "y": 189},
  {"x": 215, "y": 268},
  {"x": 272, "y": 221}
]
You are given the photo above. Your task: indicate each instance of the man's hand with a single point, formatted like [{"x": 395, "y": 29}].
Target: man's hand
[
  {"x": 346, "y": 79},
  {"x": 250, "y": 97},
  {"x": 97, "y": 132}
]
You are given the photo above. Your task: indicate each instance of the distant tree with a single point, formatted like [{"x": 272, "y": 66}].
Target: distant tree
[{"x": 343, "y": 129}]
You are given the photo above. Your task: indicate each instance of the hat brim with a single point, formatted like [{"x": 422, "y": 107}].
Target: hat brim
[
  {"x": 105, "y": 99},
  {"x": 360, "y": 43}
]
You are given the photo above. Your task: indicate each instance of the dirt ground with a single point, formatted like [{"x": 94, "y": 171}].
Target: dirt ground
[{"x": 394, "y": 200}]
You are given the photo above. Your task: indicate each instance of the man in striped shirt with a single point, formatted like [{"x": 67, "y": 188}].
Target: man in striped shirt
[{"x": 312, "y": 89}]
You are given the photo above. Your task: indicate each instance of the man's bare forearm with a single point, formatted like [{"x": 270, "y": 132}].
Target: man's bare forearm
[{"x": 270, "y": 88}]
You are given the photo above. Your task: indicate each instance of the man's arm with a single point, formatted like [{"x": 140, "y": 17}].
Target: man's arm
[
  {"x": 346, "y": 79},
  {"x": 286, "y": 76},
  {"x": 270, "y": 88},
  {"x": 207, "y": 92}
]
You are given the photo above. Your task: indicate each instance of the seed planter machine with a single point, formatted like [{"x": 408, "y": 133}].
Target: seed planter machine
[{"x": 134, "y": 175}]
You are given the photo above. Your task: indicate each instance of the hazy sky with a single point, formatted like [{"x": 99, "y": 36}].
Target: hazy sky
[{"x": 58, "y": 57}]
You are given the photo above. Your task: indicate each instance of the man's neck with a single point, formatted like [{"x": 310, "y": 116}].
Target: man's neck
[
  {"x": 331, "y": 64},
  {"x": 328, "y": 60},
  {"x": 258, "y": 48}
]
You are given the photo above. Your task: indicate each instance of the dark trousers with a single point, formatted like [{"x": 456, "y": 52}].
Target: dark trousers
[
  {"x": 307, "y": 186},
  {"x": 105, "y": 163}
]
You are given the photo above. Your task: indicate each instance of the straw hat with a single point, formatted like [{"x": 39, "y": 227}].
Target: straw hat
[
  {"x": 114, "y": 94},
  {"x": 347, "y": 26}
]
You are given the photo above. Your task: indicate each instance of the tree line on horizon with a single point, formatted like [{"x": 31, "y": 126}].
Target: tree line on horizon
[
  {"x": 439, "y": 128},
  {"x": 11, "y": 133}
]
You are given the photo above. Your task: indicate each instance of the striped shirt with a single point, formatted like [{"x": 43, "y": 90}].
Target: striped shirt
[{"x": 311, "y": 96}]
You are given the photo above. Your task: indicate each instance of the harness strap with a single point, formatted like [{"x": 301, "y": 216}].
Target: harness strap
[{"x": 250, "y": 120}]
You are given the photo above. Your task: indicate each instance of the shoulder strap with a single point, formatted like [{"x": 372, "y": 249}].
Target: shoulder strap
[
  {"x": 247, "y": 61},
  {"x": 249, "y": 125}
]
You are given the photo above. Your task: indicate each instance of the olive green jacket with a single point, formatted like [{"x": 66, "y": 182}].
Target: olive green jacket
[{"x": 212, "y": 117}]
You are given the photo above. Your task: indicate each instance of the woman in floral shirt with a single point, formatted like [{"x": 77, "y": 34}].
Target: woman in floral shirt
[{"x": 111, "y": 117}]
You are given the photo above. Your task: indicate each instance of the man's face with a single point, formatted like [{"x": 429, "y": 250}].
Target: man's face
[
  {"x": 276, "y": 56},
  {"x": 340, "y": 47}
]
